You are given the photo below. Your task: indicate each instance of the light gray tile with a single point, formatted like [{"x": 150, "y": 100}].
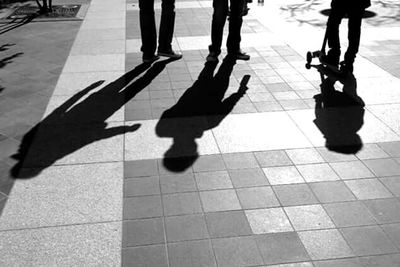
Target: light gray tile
[
  {"x": 308, "y": 217},
  {"x": 368, "y": 189},
  {"x": 283, "y": 175},
  {"x": 271, "y": 220}
]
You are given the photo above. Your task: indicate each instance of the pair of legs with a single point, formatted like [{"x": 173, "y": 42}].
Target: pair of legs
[
  {"x": 235, "y": 24},
  {"x": 338, "y": 11},
  {"x": 149, "y": 32}
]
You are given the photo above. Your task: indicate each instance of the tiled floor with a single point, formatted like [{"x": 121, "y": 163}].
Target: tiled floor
[{"x": 172, "y": 165}]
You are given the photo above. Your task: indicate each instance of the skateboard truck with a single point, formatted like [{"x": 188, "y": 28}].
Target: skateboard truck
[{"x": 318, "y": 53}]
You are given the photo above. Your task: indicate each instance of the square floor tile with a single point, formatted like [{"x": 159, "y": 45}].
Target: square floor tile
[
  {"x": 236, "y": 251},
  {"x": 209, "y": 163},
  {"x": 271, "y": 220},
  {"x": 332, "y": 156},
  {"x": 181, "y": 203},
  {"x": 317, "y": 172},
  {"x": 371, "y": 151},
  {"x": 336, "y": 191},
  {"x": 393, "y": 184},
  {"x": 191, "y": 253},
  {"x": 227, "y": 224},
  {"x": 304, "y": 156},
  {"x": 272, "y": 158},
  {"x": 213, "y": 180},
  {"x": 351, "y": 170},
  {"x": 142, "y": 207},
  {"x": 141, "y": 186},
  {"x": 393, "y": 232},
  {"x": 257, "y": 197},
  {"x": 283, "y": 175},
  {"x": 240, "y": 161},
  {"x": 281, "y": 248},
  {"x": 142, "y": 232},
  {"x": 248, "y": 177},
  {"x": 383, "y": 167},
  {"x": 325, "y": 244},
  {"x": 186, "y": 227},
  {"x": 368, "y": 189},
  {"x": 308, "y": 217},
  {"x": 383, "y": 260},
  {"x": 177, "y": 183},
  {"x": 368, "y": 240},
  {"x": 347, "y": 214},
  {"x": 219, "y": 200},
  {"x": 295, "y": 194},
  {"x": 140, "y": 168},
  {"x": 352, "y": 262},
  {"x": 154, "y": 255},
  {"x": 392, "y": 148},
  {"x": 384, "y": 210}
]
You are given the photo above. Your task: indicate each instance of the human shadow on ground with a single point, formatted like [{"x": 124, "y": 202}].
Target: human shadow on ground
[
  {"x": 339, "y": 115},
  {"x": 80, "y": 121},
  {"x": 200, "y": 108}
]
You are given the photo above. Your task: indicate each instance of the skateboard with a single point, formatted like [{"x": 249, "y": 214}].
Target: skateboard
[{"x": 320, "y": 54}]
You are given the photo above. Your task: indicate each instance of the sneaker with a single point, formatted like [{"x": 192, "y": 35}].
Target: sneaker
[
  {"x": 239, "y": 55},
  {"x": 170, "y": 53},
  {"x": 346, "y": 67},
  {"x": 332, "y": 58},
  {"x": 212, "y": 57},
  {"x": 150, "y": 59}
]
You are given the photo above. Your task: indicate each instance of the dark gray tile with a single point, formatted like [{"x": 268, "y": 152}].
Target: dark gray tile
[
  {"x": 281, "y": 248},
  {"x": 384, "y": 210},
  {"x": 346, "y": 214},
  {"x": 237, "y": 251},
  {"x": 219, "y": 200},
  {"x": 393, "y": 184},
  {"x": 240, "y": 161},
  {"x": 186, "y": 227},
  {"x": 257, "y": 197},
  {"x": 191, "y": 253},
  {"x": 227, "y": 224},
  {"x": 352, "y": 262},
  {"x": 209, "y": 163},
  {"x": 248, "y": 177},
  {"x": 142, "y": 232},
  {"x": 383, "y": 167},
  {"x": 178, "y": 183},
  {"x": 392, "y": 148},
  {"x": 181, "y": 203},
  {"x": 381, "y": 261},
  {"x": 213, "y": 180},
  {"x": 393, "y": 232},
  {"x": 273, "y": 158},
  {"x": 368, "y": 189},
  {"x": 146, "y": 256},
  {"x": 368, "y": 240},
  {"x": 141, "y": 186},
  {"x": 140, "y": 168},
  {"x": 142, "y": 207},
  {"x": 328, "y": 192},
  {"x": 295, "y": 194}
]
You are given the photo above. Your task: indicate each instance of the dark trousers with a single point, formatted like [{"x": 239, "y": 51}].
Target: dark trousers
[
  {"x": 338, "y": 12},
  {"x": 218, "y": 22},
  {"x": 148, "y": 26}
]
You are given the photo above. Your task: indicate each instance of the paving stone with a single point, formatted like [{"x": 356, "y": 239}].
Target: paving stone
[
  {"x": 145, "y": 256},
  {"x": 248, "y": 177},
  {"x": 142, "y": 207},
  {"x": 177, "y": 183},
  {"x": 186, "y": 227},
  {"x": 393, "y": 232},
  {"x": 384, "y": 210},
  {"x": 331, "y": 156},
  {"x": 191, "y": 253},
  {"x": 240, "y": 161},
  {"x": 348, "y": 214},
  {"x": 219, "y": 200},
  {"x": 140, "y": 168},
  {"x": 295, "y": 194},
  {"x": 392, "y": 148},
  {"x": 271, "y": 220},
  {"x": 281, "y": 248},
  {"x": 213, "y": 180},
  {"x": 317, "y": 172},
  {"x": 308, "y": 217},
  {"x": 227, "y": 224},
  {"x": 304, "y": 156},
  {"x": 272, "y": 158},
  {"x": 257, "y": 197},
  {"x": 351, "y": 170},
  {"x": 142, "y": 186},
  {"x": 368, "y": 240},
  {"x": 335, "y": 191},
  {"x": 368, "y": 189},
  {"x": 236, "y": 251},
  {"x": 283, "y": 175},
  {"x": 352, "y": 262},
  {"x": 325, "y": 244},
  {"x": 209, "y": 163},
  {"x": 142, "y": 232},
  {"x": 383, "y": 167},
  {"x": 371, "y": 151},
  {"x": 381, "y": 261},
  {"x": 181, "y": 203},
  {"x": 392, "y": 184}
]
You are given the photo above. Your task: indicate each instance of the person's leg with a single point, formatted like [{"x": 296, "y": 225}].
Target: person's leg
[
  {"x": 167, "y": 24},
  {"x": 147, "y": 28},
  {"x": 334, "y": 20},
  {"x": 217, "y": 25},
  {"x": 235, "y": 25},
  {"x": 354, "y": 33}
]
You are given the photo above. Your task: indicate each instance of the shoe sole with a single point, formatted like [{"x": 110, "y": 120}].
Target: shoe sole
[{"x": 169, "y": 55}]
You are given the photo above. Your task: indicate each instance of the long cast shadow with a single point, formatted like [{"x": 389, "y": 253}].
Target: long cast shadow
[
  {"x": 74, "y": 124},
  {"x": 200, "y": 108},
  {"x": 339, "y": 115}
]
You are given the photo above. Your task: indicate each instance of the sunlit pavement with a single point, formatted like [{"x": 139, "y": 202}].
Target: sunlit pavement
[{"x": 149, "y": 166}]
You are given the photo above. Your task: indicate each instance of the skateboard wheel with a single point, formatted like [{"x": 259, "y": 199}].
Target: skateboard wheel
[
  {"x": 309, "y": 57},
  {"x": 308, "y": 66}
]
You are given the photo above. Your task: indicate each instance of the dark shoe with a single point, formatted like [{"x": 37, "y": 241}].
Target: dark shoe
[
  {"x": 239, "y": 55},
  {"x": 212, "y": 57},
  {"x": 332, "y": 58},
  {"x": 150, "y": 59},
  {"x": 170, "y": 54},
  {"x": 346, "y": 67}
]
